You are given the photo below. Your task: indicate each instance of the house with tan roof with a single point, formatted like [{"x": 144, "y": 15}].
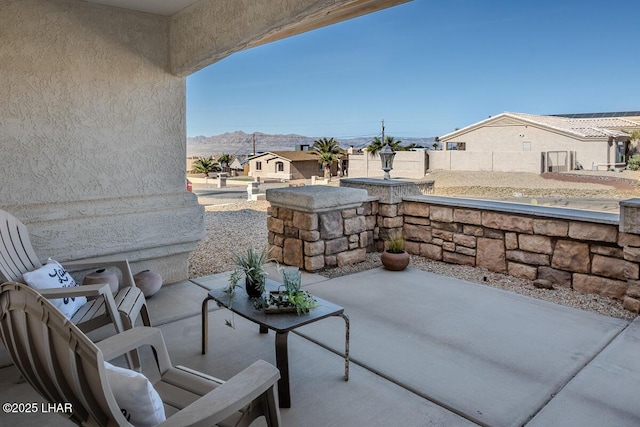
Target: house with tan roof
[
  {"x": 519, "y": 142},
  {"x": 287, "y": 165}
]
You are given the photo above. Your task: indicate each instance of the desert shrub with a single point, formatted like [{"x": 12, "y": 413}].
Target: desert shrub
[{"x": 634, "y": 162}]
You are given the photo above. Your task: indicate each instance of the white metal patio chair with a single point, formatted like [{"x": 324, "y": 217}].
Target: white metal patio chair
[{"x": 63, "y": 365}]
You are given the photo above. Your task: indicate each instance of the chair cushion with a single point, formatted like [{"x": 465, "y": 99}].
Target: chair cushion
[
  {"x": 53, "y": 275},
  {"x": 139, "y": 402}
]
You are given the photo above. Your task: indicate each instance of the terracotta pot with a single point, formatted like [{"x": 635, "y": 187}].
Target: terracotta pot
[
  {"x": 395, "y": 262},
  {"x": 102, "y": 276},
  {"x": 148, "y": 281},
  {"x": 253, "y": 289}
]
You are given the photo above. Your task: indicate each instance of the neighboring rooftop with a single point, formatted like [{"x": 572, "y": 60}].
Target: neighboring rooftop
[
  {"x": 594, "y": 125},
  {"x": 293, "y": 155},
  {"x": 635, "y": 114}
]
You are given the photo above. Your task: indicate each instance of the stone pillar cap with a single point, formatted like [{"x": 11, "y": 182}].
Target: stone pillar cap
[{"x": 317, "y": 198}]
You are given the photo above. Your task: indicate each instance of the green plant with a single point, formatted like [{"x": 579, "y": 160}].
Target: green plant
[
  {"x": 230, "y": 290},
  {"x": 328, "y": 151},
  {"x": 205, "y": 165},
  {"x": 634, "y": 162},
  {"x": 395, "y": 244},
  {"x": 301, "y": 300},
  {"x": 252, "y": 263},
  {"x": 376, "y": 145},
  {"x": 225, "y": 160}
]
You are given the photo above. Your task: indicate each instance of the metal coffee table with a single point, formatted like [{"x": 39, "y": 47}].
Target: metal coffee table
[{"x": 280, "y": 323}]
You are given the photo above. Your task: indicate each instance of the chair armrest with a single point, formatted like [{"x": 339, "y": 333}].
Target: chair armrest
[
  {"x": 98, "y": 290},
  {"x": 76, "y": 291},
  {"x": 228, "y": 398},
  {"x": 131, "y": 339},
  {"x": 103, "y": 262}
]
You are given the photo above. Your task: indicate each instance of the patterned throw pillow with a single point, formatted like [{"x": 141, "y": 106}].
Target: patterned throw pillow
[
  {"x": 139, "y": 402},
  {"x": 53, "y": 275}
]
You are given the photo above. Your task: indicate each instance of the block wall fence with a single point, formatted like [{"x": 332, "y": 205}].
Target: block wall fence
[{"x": 592, "y": 252}]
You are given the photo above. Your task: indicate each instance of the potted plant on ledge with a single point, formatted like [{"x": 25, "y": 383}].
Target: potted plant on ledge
[{"x": 394, "y": 257}]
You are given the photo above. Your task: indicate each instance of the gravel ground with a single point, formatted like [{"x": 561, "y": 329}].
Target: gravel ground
[
  {"x": 611, "y": 185},
  {"x": 243, "y": 224}
]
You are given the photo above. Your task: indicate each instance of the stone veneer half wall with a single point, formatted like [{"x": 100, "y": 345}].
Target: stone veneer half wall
[
  {"x": 587, "y": 251},
  {"x": 314, "y": 227}
]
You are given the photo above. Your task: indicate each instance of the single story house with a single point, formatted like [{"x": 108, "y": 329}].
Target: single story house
[
  {"x": 287, "y": 165},
  {"x": 518, "y": 142}
]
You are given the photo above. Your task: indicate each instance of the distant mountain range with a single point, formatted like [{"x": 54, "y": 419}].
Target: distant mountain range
[{"x": 239, "y": 143}]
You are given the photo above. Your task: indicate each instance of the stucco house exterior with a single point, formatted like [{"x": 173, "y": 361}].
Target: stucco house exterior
[
  {"x": 93, "y": 120},
  {"x": 518, "y": 142},
  {"x": 287, "y": 165}
]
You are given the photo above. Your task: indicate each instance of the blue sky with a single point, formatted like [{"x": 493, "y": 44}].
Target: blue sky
[{"x": 427, "y": 67}]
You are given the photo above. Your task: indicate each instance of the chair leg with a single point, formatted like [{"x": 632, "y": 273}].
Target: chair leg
[
  {"x": 144, "y": 313},
  {"x": 133, "y": 358},
  {"x": 271, "y": 407}
]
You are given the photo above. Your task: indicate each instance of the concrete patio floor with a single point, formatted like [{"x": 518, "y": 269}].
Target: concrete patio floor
[{"x": 426, "y": 350}]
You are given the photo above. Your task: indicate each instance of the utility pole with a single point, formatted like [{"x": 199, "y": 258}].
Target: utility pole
[
  {"x": 253, "y": 143},
  {"x": 382, "y": 131}
]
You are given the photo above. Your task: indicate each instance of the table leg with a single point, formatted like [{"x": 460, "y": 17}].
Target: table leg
[
  {"x": 205, "y": 324},
  {"x": 282, "y": 363},
  {"x": 346, "y": 347}
]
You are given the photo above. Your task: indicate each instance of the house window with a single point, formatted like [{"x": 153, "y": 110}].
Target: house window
[
  {"x": 279, "y": 167},
  {"x": 258, "y": 166},
  {"x": 458, "y": 146},
  {"x": 526, "y": 146}
]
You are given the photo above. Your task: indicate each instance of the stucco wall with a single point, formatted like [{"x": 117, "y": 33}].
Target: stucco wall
[
  {"x": 505, "y": 139},
  {"x": 308, "y": 168},
  {"x": 92, "y": 133},
  {"x": 406, "y": 164},
  {"x": 503, "y": 161}
]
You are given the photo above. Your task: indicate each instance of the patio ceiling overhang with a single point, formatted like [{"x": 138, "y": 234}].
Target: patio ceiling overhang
[{"x": 210, "y": 30}]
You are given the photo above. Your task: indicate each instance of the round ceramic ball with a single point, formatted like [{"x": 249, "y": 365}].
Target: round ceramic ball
[{"x": 149, "y": 282}]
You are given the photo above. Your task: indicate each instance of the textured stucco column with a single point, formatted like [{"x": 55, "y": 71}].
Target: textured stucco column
[
  {"x": 92, "y": 135},
  {"x": 312, "y": 227}
]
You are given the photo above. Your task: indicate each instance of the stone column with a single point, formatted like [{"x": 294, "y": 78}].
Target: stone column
[
  {"x": 313, "y": 227},
  {"x": 390, "y": 194},
  {"x": 629, "y": 240}
]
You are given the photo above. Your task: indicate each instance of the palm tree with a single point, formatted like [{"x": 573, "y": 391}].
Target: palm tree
[
  {"x": 225, "y": 160},
  {"x": 634, "y": 139},
  {"x": 329, "y": 152},
  {"x": 376, "y": 145},
  {"x": 205, "y": 165}
]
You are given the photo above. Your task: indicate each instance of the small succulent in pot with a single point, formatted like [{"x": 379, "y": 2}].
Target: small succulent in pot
[{"x": 252, "y": 264}]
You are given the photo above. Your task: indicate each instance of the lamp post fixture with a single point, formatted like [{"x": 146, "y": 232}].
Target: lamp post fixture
[{"x": 386, "y": 156}]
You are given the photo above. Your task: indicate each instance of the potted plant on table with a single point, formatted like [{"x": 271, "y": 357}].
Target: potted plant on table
[
  {"x": 252, "y": 264},
  {"x": 394, "y": 257},
  {"x": 291, "y": 298}
]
